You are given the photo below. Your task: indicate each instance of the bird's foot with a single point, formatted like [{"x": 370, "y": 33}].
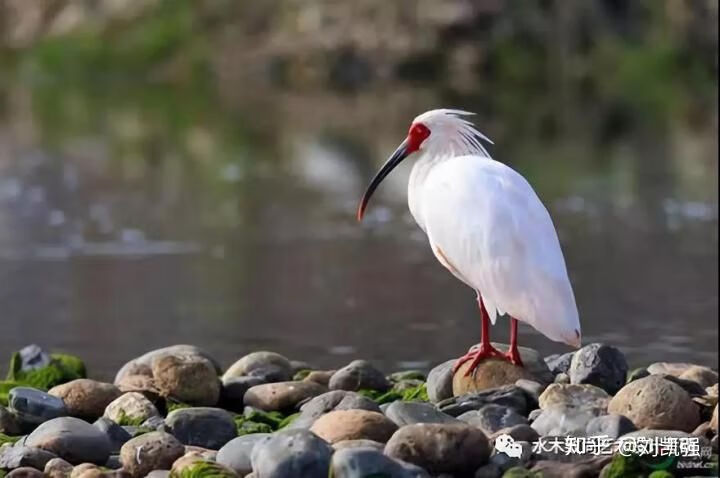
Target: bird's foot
[
  {"x": 513, "y": 356},
  {"x": 477, "y": 355},
  {"x": 482, "y": 352}
]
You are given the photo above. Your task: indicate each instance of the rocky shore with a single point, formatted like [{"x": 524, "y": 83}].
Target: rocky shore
[{"x": 176, "y": 412}]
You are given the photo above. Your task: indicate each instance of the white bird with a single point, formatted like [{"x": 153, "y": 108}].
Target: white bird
[{"x": 486, "y": 225}]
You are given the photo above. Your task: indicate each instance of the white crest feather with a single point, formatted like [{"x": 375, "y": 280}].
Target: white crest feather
[{"x": 451, "y": 134}]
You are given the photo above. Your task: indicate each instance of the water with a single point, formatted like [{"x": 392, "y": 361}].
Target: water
[{"x": 128, "y": 224}]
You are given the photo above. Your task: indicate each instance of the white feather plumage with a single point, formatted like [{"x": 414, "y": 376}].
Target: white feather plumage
[{"x": 489, "y": 228}]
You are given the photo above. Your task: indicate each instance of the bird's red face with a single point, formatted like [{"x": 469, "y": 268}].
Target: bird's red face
[{"x": 417, "y": 135}]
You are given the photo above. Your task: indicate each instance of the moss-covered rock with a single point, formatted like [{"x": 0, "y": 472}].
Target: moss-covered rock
[
  {"x": 246, "y": 427},
  {"x": 661, "y": 474},
  {"x": 520, "y": 472},
  {"x": 623, "y": 467},
  {"x": 301, "y": 374},
  {"x": 5, "y": 387},
  {"x": 61, "y": 369},
  {"x": 7, "y": 439},
  {"x": 200, "y": 469}
]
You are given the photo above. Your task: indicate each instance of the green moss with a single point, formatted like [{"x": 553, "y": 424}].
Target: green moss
[
  {"x": 624, "y": 467},
  {"x": 173, "y": 405},
  {"x": 288, "y": 420},
  {"x": 203, "y": 469},
  {"x": 61, "y": 369},
  {"x": 301, "y": 374},
  {"x": 411, "y": 394},
  {"x": 7, "y": 439},
  {"x": 416, "y": 394},
  {"x": 71, "y": 364},
  {"x": 270, "y": 418},
  {"x": 5, "y": 387},
  {"x": 246, "y": 427},
  {"x": 661, "y": 474},
  {"x": 520, "y": 472},
  {"x": 126, "y": 420}
]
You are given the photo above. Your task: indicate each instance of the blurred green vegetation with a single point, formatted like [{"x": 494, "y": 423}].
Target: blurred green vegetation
[{"x": 157, "y": 86}]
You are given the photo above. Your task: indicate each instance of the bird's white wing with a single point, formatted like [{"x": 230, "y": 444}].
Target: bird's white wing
[{"x": 486, "y": 222}]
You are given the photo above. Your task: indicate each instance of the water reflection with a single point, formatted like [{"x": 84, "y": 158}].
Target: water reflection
[{"x": 120, "y": 231}]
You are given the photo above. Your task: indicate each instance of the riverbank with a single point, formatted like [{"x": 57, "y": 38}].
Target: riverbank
[{"x": 177, "y": 411}]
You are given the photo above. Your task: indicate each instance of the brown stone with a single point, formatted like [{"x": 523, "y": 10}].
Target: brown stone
[
  {"x": 655, "y": 403},
  {"x": 490, "y": 373},
  {"x": 151, "y": 451},
  {"x": 574, "y": 395},
  {"x": 342, "y": 425},
  {"x": 187, "y": 378},
  {"x": 85, "y": 398},
  {"x": 705, "y": 376},
  {"x": 281, "y": 396},
  {"x": 457, "y": 449},
  {"x": 58, "y": 468},
  {"x": 321, "y": 377}
]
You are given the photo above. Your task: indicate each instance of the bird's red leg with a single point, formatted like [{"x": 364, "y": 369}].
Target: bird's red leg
[
  {"x": 513, "y": 354},
  {"x": 485, "y": 350}
]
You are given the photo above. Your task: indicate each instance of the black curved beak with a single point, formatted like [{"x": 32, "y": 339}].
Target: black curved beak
[{"x": 400, "y": 153}]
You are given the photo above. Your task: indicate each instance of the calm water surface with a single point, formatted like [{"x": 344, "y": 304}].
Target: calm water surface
[{"x": 128, "y": 224}]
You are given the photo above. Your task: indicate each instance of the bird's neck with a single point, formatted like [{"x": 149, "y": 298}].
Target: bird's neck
[{"x": 418, "y": 175}]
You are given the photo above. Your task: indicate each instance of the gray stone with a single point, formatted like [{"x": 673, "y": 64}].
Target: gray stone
[
  {"x": 519, "y": 433},
  {"x": 359, "y": 443},
  {"x": 505, "y": 462},
  {"x": 279, "y": 365},
  {"x": 613, "y": 426},
  {"x": 600, "y": 365},
  {"x": 9, "y": 424},
  {"x": 492, "y": 418},
  {"x": 458, "y": 449},
  {"x": 113, "y": 462},
  {"x": 202, "y": 426},
  {"x": 508, "y": 395},
  {"x": 532, "y": 389},
  {"x": 33, "y": 406},
  {"x": 291, "y": 453},
  {"x": 407, "y": 413},
  {"x": 150, "y": 451},
  {"x": 439, "y": 381},
  {"x": 562, "y": 378},
  {"x": 25, "y": 472},
  {"x": 144, "y": 362},
  {"x": 563, "y": 421},
  {"x": 115, "y": 433},
  {"x": 236, "y": 453},
  {"x": 365, "y": 462},
  {"x": 359, "y": 375},
  {"x": 32, "y": 357},
  {"x": 491, "y": 470},
  {"x": 15, "y": 457},
  {"x": 155, "y": 423},
  {"x": 270, "y": 374},
  {"x": 158, "y": 474},
  {"x": 559, "y": 363},
  {"x": 71, "y": 439},
  {"x": 327, "y": 402},
  {"x": 233, "y": 390}
]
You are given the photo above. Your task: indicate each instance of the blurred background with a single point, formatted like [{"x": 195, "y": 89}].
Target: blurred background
[{"x": 187, "y": 171}]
